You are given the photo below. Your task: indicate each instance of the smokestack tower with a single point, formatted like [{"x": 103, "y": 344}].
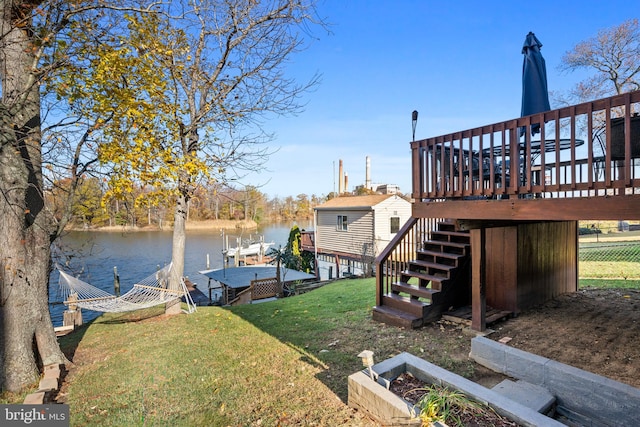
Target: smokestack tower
[
  {"x": 367, "y": 182},
  {"x": 346, "y": 182}
]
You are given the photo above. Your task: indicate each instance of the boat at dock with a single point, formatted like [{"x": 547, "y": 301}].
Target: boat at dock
[{"x": 252, "y": 249}]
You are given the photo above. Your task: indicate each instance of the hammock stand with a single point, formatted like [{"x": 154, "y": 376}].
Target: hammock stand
[{"x": 149, "y": 292}]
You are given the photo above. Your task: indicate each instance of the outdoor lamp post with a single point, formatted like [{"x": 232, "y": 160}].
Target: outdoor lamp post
[
  {"x": 414, "y": 123},
  {"x": 367, "y": 360}
]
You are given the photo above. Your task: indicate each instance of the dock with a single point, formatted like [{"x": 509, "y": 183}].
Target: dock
[{"x": 198, "y": 297}]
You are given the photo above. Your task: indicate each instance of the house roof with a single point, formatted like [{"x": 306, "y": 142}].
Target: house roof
[
  {"x": 241, "y": 277},
  {"x": 351, "y": 202}
]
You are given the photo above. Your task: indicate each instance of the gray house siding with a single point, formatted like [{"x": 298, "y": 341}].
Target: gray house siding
[
  {"x": 352, "y": 251},
  {"x": 359, "y": 232}
]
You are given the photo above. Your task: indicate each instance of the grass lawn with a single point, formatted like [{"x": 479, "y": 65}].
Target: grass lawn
[
  {"x": 610, "y": 283},
  {"x": 609, "y": 269},
  {"x": 284, "y": 362}
]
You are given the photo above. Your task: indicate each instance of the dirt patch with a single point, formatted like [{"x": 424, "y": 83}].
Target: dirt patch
[{"x": 597, "y": 330}]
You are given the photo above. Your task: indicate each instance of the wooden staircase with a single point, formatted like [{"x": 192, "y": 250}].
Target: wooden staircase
[{"x": 437, "y": 279}]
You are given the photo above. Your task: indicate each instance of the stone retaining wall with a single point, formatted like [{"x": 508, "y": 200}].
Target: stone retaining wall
[
  {"x": 48, "y": 387},
  {"x": 589, "y": 399}
]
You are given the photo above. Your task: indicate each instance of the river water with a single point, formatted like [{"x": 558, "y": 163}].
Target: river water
[{"x": 92, "y": 256}]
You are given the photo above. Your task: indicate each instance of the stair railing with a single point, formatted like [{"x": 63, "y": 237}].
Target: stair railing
[{"x": 400, "y": 251}]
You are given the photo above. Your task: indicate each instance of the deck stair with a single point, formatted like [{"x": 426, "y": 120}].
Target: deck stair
[{"x": 437, "y": 279}]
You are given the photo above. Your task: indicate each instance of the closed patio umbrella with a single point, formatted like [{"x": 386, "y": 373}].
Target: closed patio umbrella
[{"x": 535, "y": 95}]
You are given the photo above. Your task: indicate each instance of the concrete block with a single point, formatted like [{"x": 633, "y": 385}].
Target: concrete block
[
  {"x": 54, "y": 366},
  {"x": 488, "y": 353},
  {"x": 52, "y": 372},
  {"x": 525, "y": 366},
  {"x": 530, "y": 395},
  {"x": 577, "y": 392},
  {"x": 378, "y": 402},
  {"x": 36, "y": 398},
  {"x": 593, "y": 396},
  {"x": 434, "y": 374},
  {"x": 391, "y": 368},
  {"x": 48, "y": 384},
  {"x": 572, "y": 388}
]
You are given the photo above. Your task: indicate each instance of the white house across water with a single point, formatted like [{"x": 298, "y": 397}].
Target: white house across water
[{"x": 350, "y": 231}]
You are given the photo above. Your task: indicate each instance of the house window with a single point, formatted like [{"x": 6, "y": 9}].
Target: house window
[
  {"x": 394, "y": 222},
  {"x": 342, "y": 223}
]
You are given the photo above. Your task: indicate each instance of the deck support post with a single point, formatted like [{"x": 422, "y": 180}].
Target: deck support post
[{"x": 478, "y": 280}]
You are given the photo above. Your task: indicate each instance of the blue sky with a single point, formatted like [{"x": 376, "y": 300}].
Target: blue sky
[{"x": 458, "y": 63}]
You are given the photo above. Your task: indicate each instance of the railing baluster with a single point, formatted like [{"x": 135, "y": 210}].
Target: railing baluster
[
  {"x": 445, "y": 166},
  {"x": 607, "y": 160},
  {"x": 396, "y": 256},
  {"x": 627, "y": 140},
  {"x": 590, "y": 165}
]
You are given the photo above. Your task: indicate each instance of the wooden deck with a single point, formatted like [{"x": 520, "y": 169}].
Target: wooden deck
[
  {"x": 584, "y": 164},
  {"x": 520, "y": 197},
  {"x": 198, "y": 297}
]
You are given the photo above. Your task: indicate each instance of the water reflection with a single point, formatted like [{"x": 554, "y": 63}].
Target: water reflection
[{"x": 92, "y": 256}]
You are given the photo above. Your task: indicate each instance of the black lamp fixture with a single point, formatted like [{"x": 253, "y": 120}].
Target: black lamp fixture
[{"x": 414, "y": 122}]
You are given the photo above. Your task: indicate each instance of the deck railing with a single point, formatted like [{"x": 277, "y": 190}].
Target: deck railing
[
  {"x": 586, "y": 150},
  {"x": 400, "y": 251}
]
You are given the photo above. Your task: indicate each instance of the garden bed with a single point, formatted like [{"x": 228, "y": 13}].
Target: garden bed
[
  {"x": 461, "y": 412},
  {"x": 388, "y": 408}
]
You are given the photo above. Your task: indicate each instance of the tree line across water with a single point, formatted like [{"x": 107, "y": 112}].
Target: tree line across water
[{"x": 91, "y": 209}]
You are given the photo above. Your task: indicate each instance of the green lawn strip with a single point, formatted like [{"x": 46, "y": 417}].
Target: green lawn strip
[
  {"x": 301, "y": 319},
  {"x": 208, "y": 368},
  {"x": 609, "y": 269},
  {"x": 323, "y": 324},
  {"x": 284, "y": 362},
  {"x": 610, "y": 283},
  {"x": 610, "y": 237},
  {"x": 334, "y": 325}
]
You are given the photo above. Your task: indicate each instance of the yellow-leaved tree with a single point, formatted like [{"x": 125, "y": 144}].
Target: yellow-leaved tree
[
  {"x": 40, "y": 40},
  {"x": 184, "y": 93}
]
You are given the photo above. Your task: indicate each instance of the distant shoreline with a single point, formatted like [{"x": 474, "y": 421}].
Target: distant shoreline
[{"x": 207, "y": 225}]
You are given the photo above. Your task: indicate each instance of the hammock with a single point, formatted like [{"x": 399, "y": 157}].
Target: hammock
[{"x": 149, "y": 292}]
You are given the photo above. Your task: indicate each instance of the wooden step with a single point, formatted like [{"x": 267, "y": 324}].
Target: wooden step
[
  {"x": 437, "y": 254},
  {"x": 394, "y": 317},
  {"x": 451, "y": 236},
  {"x": 410, "y": 306},
  {"x": 426, "y": 265},
  {"x": 436, "y": 281},
  {"x": 415, "y": 291},
  {"x": 446, "y": 226},
  {"x": 446, "y": 247},
  {"x": 417, "y": 298},
  {"x": 443, "y": 243}
]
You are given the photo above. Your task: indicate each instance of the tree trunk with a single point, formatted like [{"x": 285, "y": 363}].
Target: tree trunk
[
  {"x": 178, "y": 248},
  {"x": 26, "y": 330}
]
